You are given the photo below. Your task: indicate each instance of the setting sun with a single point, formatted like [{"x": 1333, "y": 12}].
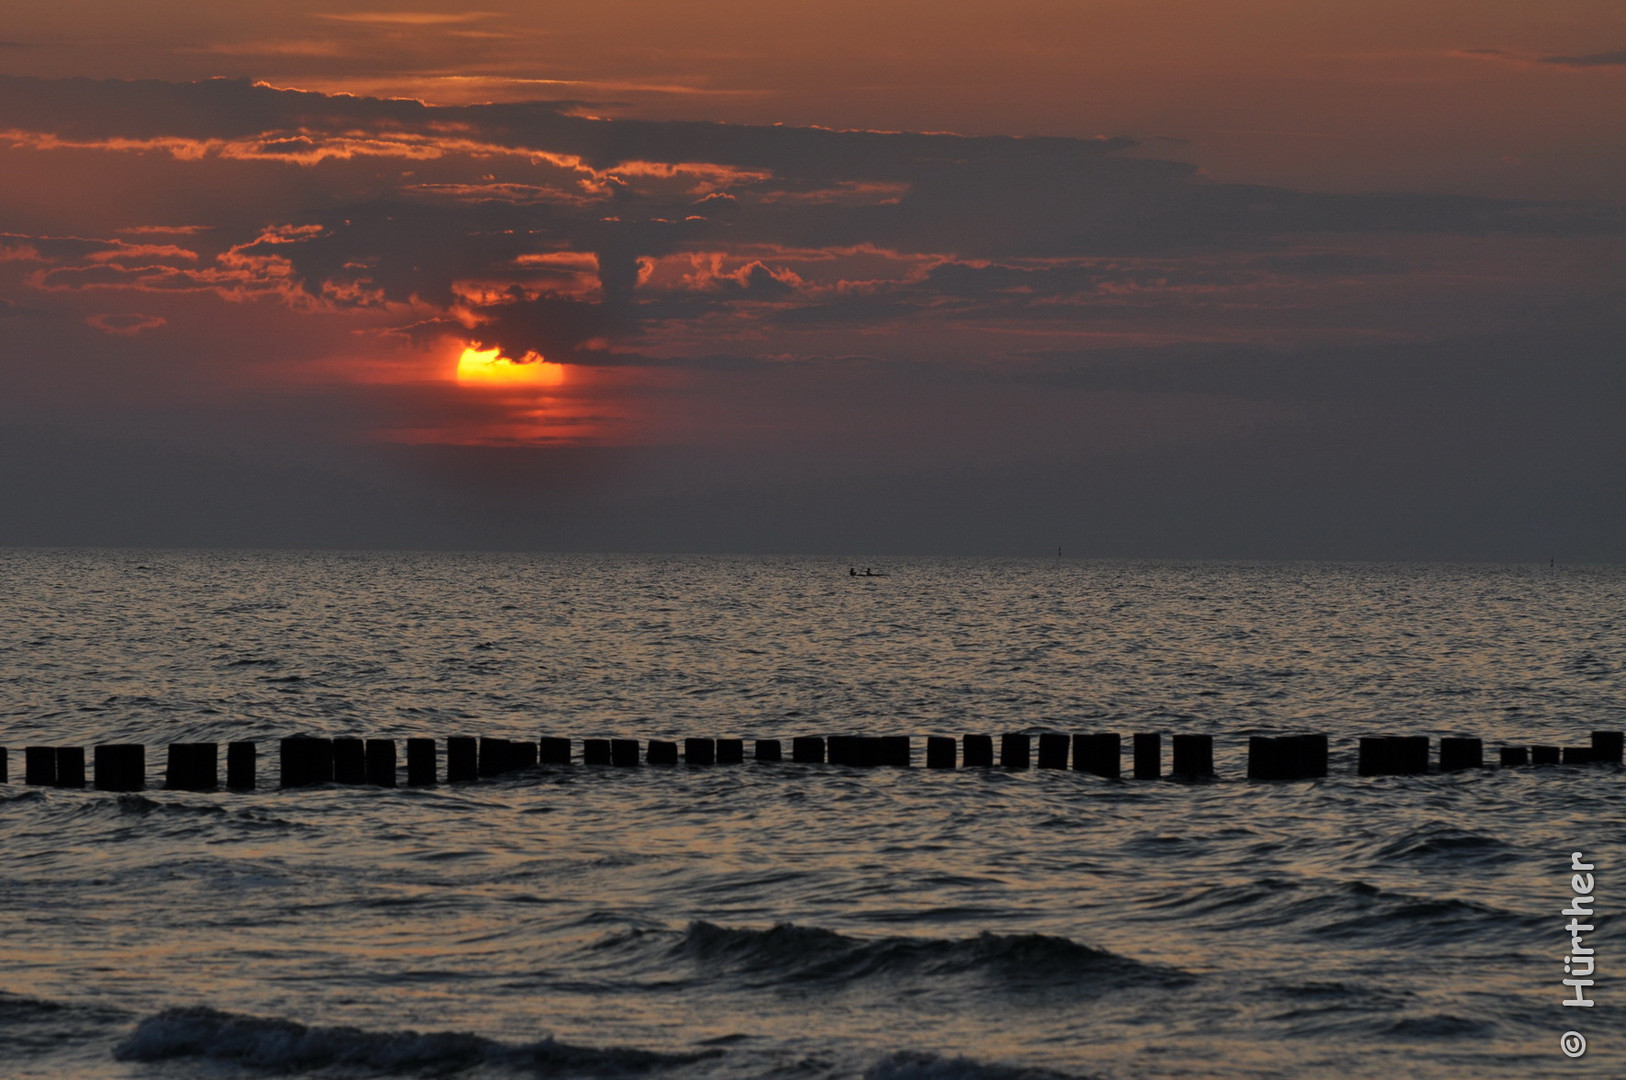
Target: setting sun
[{"x": 488, "y": 367}]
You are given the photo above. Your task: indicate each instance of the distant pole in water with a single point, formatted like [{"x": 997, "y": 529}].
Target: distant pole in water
[
  {"x": 120, "y": 767},
  {"x": 422, "y": 763},
  {"x": 240, "y": 760}
]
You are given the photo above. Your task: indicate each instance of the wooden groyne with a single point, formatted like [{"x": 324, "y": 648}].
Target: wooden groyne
[{"x": 307, "y": 761}]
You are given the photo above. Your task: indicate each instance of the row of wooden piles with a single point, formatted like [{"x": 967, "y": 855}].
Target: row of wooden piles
[{"x": 308, "y": 761}]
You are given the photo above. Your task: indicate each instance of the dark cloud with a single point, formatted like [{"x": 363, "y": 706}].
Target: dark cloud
[{"x": 1603, "y": 59}]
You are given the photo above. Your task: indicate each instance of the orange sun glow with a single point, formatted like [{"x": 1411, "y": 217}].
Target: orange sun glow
[{"x": 489, "y": 367}]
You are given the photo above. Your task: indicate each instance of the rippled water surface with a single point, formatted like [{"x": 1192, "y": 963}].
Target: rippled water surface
[{"x": 791, "y": 920}]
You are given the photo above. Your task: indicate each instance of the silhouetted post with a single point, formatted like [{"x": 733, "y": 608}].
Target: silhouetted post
[
  {"x": 349, "y": 761},
  {"x": 521, "y": 754},
  {"x": 1193, "y": 756},
  {"x": 423, "y": 768},
  {"x": 623, "y": 751},
  {"x": 769, "y": 750},
  {"x": 1607, "y": 746},
  {"x": 1053, "y": 750},
  {"x": 896, "y": 752},
  {"x": 39, "y": 765},
  {"x": 70, "y": 766},
  {"x": 121, "y": 767},
  {"x": 1573, "y": 755},
  {"x": 241, "y": 758},
  {"x": 700, "y": 751},
  {"x": 193, "y": 767},
  {"x": 730, "y": 751},
  {"x": 493, "y": 757},
  {"x": 553, "y": 750},
  {"x": 1376, "y": 756},
  {"x": 5, "y": 775},
  {"x": 1461, "y": 754},
  {"x": 595, "y": 751},
  {"x": 1393, "y": 755},
  {"x": 462, "y": 759},
  {"x": 1148, "y": 755},
  {"x": 306, "y": 761},
  {"x": 1544, "y": 755},
  {"x": 1269, "y": 758},
  {"x": 940, "y": 752},
  {"x": 1514, "y": 756},
  {"x": 857, "y": 751},
  {"x": 662, "y": 752},
  {"x": 1015, "y": 750},
  {"x": 978, "y": 751},
  {"x": 1309, "y": 756},
  {"x": 381, "y": 762},
  {"x": 807, "y": 748},
  {"x": 1100, "y": 754}
]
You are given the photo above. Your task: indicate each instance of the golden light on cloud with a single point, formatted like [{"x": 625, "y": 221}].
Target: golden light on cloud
[{"x": 489, "y": 367}]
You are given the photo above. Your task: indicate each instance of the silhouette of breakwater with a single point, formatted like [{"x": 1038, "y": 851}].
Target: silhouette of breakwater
[{"x": 306, "y": 761}]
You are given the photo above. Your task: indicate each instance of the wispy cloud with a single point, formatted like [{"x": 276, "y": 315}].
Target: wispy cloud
[{"x": 409, "y": 18}]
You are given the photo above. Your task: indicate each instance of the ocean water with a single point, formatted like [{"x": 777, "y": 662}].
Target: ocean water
[{"x": 805, "y": 921}]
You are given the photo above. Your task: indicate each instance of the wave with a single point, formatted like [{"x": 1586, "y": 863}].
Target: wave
[
  {"x": 910, "y": 1065},
  {"x": 799, "y": 954},
  {"x": 286, "y": 1046}
]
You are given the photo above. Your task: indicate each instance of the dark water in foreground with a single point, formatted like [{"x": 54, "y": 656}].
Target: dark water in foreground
[{"x": 799, "y": 921}]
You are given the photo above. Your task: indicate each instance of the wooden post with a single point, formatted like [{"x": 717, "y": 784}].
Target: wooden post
[
  {"x": 553, "y": 750},
  {"x": 1309, "y": 756},
  {"x": 381, "y": 762},
  {"x": 1573, "y": 755},
  {"x": 5, "y": 777},
  {"x": 858, "y": 751},
  {"x": 896, "y": 752},
  {"x": 349, "y": 761},
  {"x": 240, "y": 766},
  {"x": 1148, "y": 755},
  {"x": 768, "y": 750},
  {"x": 1193, "y": 756},
  {"x": 120, "y": 767},
  {"x": 1100, "y": 754},
  {"x": 521, "y": 754},
  {"x": 1268, "y": 759},
  {"x": 662, "y": 752},
  {"x": 70, "y": 766},
  {"x": 595, "y": 751},
  {"x": 1514, "y": 756},
  {"x": 730, "y": 751},
  {"x": 423, "y": 766},
  {"x": 493, "y": 757},
  {"x": 462, "y": 759},
  {"x": 39, "y": 765},
  {"x": 700, "y": 751},
  {"x": 807, "y": 748},
  {"x": 940, "y": 752},
  {"x": 1461, "y": 754},
  {"x": 1607, "y": 746},
  {"x": 1015, "y": 750},
  {"x": 978, "y": 751},
  {"x": 193, "y": 767},
  {"x": 306, "y": 761},
  {"x": 623, "y": 752},
  {"x": 1544, "y": 755},
  {"x": 1053, "y": 750}
]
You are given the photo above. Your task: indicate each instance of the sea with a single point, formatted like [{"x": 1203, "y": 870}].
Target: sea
[{"x": 804, "y": 921}]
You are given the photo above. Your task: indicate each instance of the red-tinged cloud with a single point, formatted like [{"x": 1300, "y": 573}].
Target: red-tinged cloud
[{"x": 125, "y": 324}]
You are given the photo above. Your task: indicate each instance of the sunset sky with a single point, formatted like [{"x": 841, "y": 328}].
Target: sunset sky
[{"x": 1138, "y": 278}]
